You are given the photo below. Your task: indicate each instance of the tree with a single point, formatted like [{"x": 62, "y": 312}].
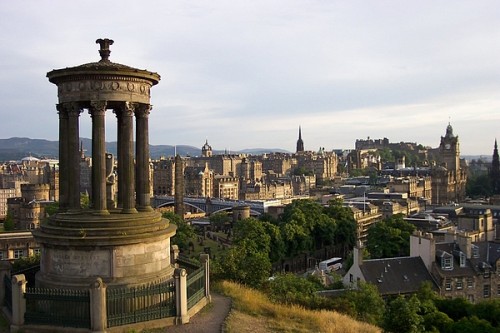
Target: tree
[
  {"x": 219, "y": 220},
  {"x": 247, "y": 261},
  {"x": 289, "y": 288},
  {"x": 367, "y": 302},
  {"x": 479, "y": 186},
  {"x": 402, "y": 316},
  {"x": 389, "y": 238},
  {"x": 252, "y": 234},
  {"x": 185, "y": 232},
  {"x": 277, "y": 245},
  {"x": 8, "y": 224},
  {"x": 84, "y": 200},
  {"x": 245, "y": 265},
  {"x": 456, "y": 308},
  {"x": 472, "y": 325},
  {"x": 488, "y": 310}
]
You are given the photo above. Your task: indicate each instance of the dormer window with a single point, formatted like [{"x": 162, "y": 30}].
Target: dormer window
[
  {"x": 475, "y": 251},
  {"x": 447, "y": 262},
  {"x": 462, "y": 259}
]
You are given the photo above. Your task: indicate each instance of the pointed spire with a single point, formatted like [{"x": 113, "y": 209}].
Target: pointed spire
[
  {"x": 495, "y": 170},
  {"x": 300, "y": 143}
]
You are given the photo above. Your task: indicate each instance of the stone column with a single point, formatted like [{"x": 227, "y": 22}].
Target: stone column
[
  {"x": 98, "y": 311},
  {"x": 119, "y": 155},
  {"x": 63, "y": 158},
  {"x": 18, "y": 302},
  {"x": 126, "y": 158},
  {"x": 73, "y": 153},
  {"x": 180, "y": 277},
  {"x": 98, "y": 112},
  {"x": 143, "y": 191}
]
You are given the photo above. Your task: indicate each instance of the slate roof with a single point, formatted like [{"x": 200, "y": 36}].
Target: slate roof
[{"x": 400, "y": 275}]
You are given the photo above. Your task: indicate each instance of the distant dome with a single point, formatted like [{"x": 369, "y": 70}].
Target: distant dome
[{"x": 29, "y": 159}]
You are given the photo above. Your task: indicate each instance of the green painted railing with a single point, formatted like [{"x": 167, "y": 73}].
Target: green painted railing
[
  {"x": 195, "y": 286},
  {"x": 58, "y": 307},
  {"x": 8, "y": 292},
  {"x": 138, "y": 304}
]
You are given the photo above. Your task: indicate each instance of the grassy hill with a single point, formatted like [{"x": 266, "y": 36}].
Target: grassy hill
[{"x": 253, "y": 312}]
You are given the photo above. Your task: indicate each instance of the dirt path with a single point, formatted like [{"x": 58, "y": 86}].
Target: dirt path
[{"x": 208, "y": 320}]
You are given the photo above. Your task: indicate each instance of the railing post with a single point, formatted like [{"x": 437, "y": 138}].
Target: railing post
[
  {"x": 205, "y": 261},
  {"x": 18, "y": 302},
  {"x": 5, "y": 268},
  {"x": 180, "y": 276},
  {"x": 174, "y": 254},
  {"x": 98, "y": 310}
]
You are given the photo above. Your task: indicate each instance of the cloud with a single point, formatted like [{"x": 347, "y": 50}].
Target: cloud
[{"x": 248, "y": 73}]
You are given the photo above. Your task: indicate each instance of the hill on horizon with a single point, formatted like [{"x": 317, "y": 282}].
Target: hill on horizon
[{"x": 16, "y": 148}]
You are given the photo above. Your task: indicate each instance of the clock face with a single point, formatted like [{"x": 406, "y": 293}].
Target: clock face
[{"x": 447, "y": 146}]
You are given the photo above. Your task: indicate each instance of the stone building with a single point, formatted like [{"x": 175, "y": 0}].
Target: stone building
[
  {"x": 28, "y": 211},
  {"x": 449, "y": 177},
  {"x": 5, "y": 194},
  {"x": 164, "y": 176},
  {"x": 198, "y": 181},
  {"x": 321, "y": 164},
  {"x": 279, "y": 163},
  {"x": 225, "y": 187},
  {"x": 18, "y": 244},
  {"x": 462, "y": 268}
]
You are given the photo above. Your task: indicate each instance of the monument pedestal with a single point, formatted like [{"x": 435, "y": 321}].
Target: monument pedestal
[{"x": 121, "y": 249}]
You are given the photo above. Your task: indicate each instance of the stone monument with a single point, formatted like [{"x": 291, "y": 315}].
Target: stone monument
[{"x": 124, "y": 244}]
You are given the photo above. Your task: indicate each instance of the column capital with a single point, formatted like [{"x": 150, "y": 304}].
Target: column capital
[
  {"x": 62, "y": 111},
  {"x": 127, "y": 109},
  {"x": 73, "y": 109},
  {"x": 98, "y": 108},
  {"x": 143, "y": 110}
]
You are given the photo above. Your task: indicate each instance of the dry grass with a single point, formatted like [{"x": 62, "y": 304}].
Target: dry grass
[{"x": 253, "y": 312}]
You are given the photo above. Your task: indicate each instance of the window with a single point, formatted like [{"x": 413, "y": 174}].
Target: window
[
  {"x": 486, "y": 291},
  {"x": 459, "y": 283},
  {"x": 475, "y": 251},
  {"x": 36, "y": 251},
  {"x": 462, "y": 259},
  {"x": 447, "y": 263},
  {"x": 498, "y": 289},
  {"x": 351, "y": 278},
  {"x": 470, "y": 282},
  {"x": 1, "y": 255},
  {"x": 18, "y": 254},
  {"x": 447, "y": 284}
]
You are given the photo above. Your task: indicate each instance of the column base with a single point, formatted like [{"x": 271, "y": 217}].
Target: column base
[
  {"x": 129, "y": 211},
  {"x": 145, "y": 209},
  {"x": 101, "y": 212}
]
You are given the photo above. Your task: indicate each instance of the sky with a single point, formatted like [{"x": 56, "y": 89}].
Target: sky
[{"x": 247, "y": 74}]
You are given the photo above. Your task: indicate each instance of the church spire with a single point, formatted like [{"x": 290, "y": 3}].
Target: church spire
[
  {"x": 495, "y": 170},
  {"x": 300, "y": 143}
]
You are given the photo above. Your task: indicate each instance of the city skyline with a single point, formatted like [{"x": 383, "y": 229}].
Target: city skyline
[{"x": 248, "y": 74}]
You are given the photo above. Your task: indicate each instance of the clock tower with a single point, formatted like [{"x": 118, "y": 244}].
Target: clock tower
[
  {"x": 449, "y": 150},
  {"x": 450, "y": 176}
]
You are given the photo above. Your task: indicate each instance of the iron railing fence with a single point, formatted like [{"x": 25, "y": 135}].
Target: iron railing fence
[
  {"x": 58, "y": 307},
  {"x": 137, "y": 304},
  {"x": 8, "y": 292},
  {"x": 195, "y": 286}
]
